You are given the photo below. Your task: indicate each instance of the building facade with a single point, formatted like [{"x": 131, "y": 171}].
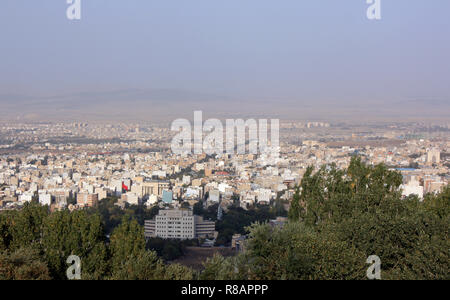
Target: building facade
[{"x": 179, "y": 224}]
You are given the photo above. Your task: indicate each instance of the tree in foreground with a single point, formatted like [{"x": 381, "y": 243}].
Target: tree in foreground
[
  {"x": 338, "y": 218},
  {"x": 23, "y": 264}
]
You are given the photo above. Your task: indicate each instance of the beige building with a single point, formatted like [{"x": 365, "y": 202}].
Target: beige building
[
  {"x": 85, "y": 199},
  {"x": 154, "y": 188},
  {"x": 433, "y": 156}
]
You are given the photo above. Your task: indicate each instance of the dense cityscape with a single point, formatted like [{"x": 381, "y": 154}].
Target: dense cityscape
[{"x": 76, "y": 165}]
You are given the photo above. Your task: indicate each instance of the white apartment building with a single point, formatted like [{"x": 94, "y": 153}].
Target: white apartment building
[
  {"x": 178, "y": 224},
  {"x": 26, "y": 197},
  {"x": 412, "y": 188},
  {"x": 264, "y": 196},
  {"x": 130, "y": 198},
  {"x": 214, "y": 196},
  {"x": 152, "y": 200},
  {"x": 45, "y": 199}
]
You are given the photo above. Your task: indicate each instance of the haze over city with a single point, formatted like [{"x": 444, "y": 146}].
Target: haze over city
[{"x": 159, "y": 60}]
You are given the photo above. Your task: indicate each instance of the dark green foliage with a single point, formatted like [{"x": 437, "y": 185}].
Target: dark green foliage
[
  {"x": 295, "y": 209},
  {"x": 5, "y": 230},
  {"x": 127, "y": 240},
  {"x": 147, "y": 266},
  {"x": 297, "y": 252},
  {"x": 169, "y": 249},
  {"x": 112, "y": 214},
  {"x": 236, "y": 219},
  {"x": 294, "y": 252},
  {"x": 363, "y": 207},
  {"x": 75, "y": 233},
  {"x": 26, "y": 225},
  {"x": 23, "y": 264},
  {"x": 220, "y": 268},
  {"x": 198, "y": 209}
]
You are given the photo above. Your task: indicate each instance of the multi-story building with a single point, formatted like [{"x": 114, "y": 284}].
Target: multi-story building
[
  {"x": 130, "y": 198},
  {"x": 86, "y": 199},
  {"x": 433, "y": 156},
  {"x": 154, "y": 188},
  {"x": 178, "y": 224},
  {"x": 45, "y": 199}
]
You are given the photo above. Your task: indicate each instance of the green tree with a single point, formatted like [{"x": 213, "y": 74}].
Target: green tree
[
  {"x": 23, "y": 264},
  {"x": 126, "y": 241},
  {"x": 298, "y": 252},
  {"x": 295, "y": 209},
  {"x": 76, "y": 233},
  {"x": 363, "y": 207},
  {"x": 229, "y": 268},
  {"x": 5, "y": 233},
  {"x": 147, "y": 266},
  {"x": 26, "y": 226}
]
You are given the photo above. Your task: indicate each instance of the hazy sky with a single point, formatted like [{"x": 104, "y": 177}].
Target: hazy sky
[{"x": 294, "y": 50}]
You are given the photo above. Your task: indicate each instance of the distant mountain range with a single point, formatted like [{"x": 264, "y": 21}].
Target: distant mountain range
[{"x": 169, "y": 104}]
